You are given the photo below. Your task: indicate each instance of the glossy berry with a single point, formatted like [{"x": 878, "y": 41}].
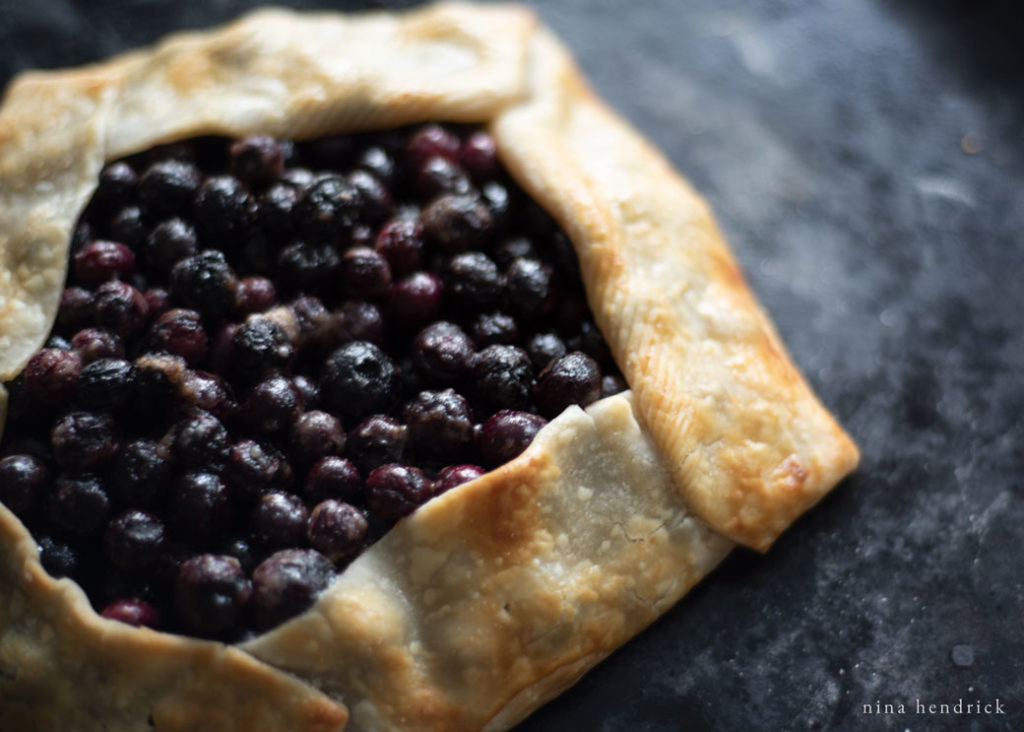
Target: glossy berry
[
  {"x": 255, "y": 468},
  {"x": 118, "y": 185},
  {"x": 573, "y": 379},
  {"x": 394, "y": 491},
  {"x": 158, "y": 299},
  {"x": 105, "y": 383},
  {"x": 612, "y": 384},
  {"x": 257, "y": 160},
  {"x": 333, "y": 477},
  {"x": 400, "y": 241},
  {"x": 22, "y": 479},
  {"x": 168, "y": 186},
  {"x": 96, "y": 343},
  {"x": 75, "y": 309},
  {"x": 472, "y": 280},
  {"x": 457, "y": 223},
  {"x": 442, "y": 352},
  {"x": 260, "y": 347},
  {"x": 84, "y": 440},
  {"x": 79, "y": 505},
  {"x": 430, "y": 141},
  {"x": 120, "y": 308},
  {"x": 255, "y": 295},
  {"x": 275, "y": 211},
  {"x": 272, "y": 405},
  {"x": 157, "y": 380},
  {"x": 357, "y": 320},
  {"x": 506, "y": 434},
  {"x": 57, "y": 557},
  {"x": 128, "y": 227},
  {"x": 134, "y": 540},
  {"x": 377, "y": 161},
  {"x": 502, "y": 377},
  {"x": 308, "y": 265},
  {"x": 140, "y": 474},
  {"x": 479, "y": 156},
  {"x": 440, "y": 425},
  {"x": 337, "y": 530},
  {"x": 287, "y": 583},
  {"x": 543, "y": 348},
  {"x": 365, "y": 274},
  {"x": 132, "y": 611},
  {"x": 528, "y": 288},
  {"x": 180, "y": 332},
  {"x": 51, "y": 375},
  {"x": 512, "y": 250},
  {"x": 316, "y": 435},
  {"x": 455, "y": 475},
  {"x": 204, "y": 282},
  {"x": 200, "y": 506},
  {"x": 200, "y": 442},
  {"x": 373, "y": 200},
  {"x": 101, "y": 260},
  {"x": 357, "y": 379},
  {"x": 376, "y": 440},
  {"x": 211, "y": 592},
  {"x": 170, "y": 241},
  {"x": 279, "y": 520},
  {"x": 488, "y": 329},
  {"x": 438, "y": 176},
  {"x": 327, "y": 211},
  {"x": 415, "y": 300}
]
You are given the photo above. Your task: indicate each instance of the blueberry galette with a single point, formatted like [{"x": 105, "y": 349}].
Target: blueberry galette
[{"x": 362, "y": 373}]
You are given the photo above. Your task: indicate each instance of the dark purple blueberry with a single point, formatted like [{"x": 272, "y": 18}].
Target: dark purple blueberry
[
  {"x": 528, "y": 288},
  {"x": 457, "y": 223},
  {"x": 133, "y": 540},
  {"x": 275, "y": 210},
  {"x": 472, "y": 280},
  {"x": 401, "y": 242},
  {"x": 441, "y": 353},
  {"x": 506, "y": 434},
  {"x": 58, "y": 558},
  {"x": 287, "y": 583},
  {"x": 327, "y": 210},
  {"x": 317, "y": 324},
  {"x": 255, "y": 295},
  {"x": 128, "y": 227},
  {"x": 255, "y": 468},
  {"x": 357, "y": 379},
  {"x": 83, "y": 440},
  {"x": 119, "y": 307},
  {"x": 455, "y": 475},
  {"x": 438, "y": 176},
  {"x": 200, "y": 507},
  {"x": 488, "y": 329},
  {"x": 544, "y": 348},
  {"x": 272, "y": 405},
  {"x": 211, "y": 593},
  {"x": 82, "y": 235},
  {"x": 75, "y": 309},
  {"x": 257, "y": 160},
  {"x": 224, "y": 211},
  {"x": 118, "y": 185},
  {"x": 180, "y": 332},
  {"x": 106, "y": 382},
  {"x": 394, "y": 491},
  {"x": 337, "y": 530},
  {"x": 22, "y": 480},
  {"x": 141, "y": 474},
  {"x": 359, "y": 321},
  {"x": 158, "y": 299},
  {"x": 612, "y": 384},
  {"x": 512, "y": 250},
  {"x": 375, "y": 441},
  {"x": 170, "y": 241},
  {"x": 309, "y": 390},
  {"x": 51, "y": 375},
  {"x": 479, "y": 156},
  {"x": 132, "y": 611},
  {"x": 316, "y": 435},
  {"x": 306, "y": 265},
  {"x": 101, "y": 260},
  {"x": 200, "y": 442},
  {"x": 415, "y": 300},
  {"x": 502, "y": 377},
  {"x": 365, "y": 274},
  {"x": 298, "y": 178},
  {"x": 79, "y": 504},
  {"x": 260, "y": 347},
  {"x": 95, "y": 343},
  {"x": 333, "y": 477},
  {"x": 158, "y": 378},
  {"x": 590, "y": 341},
  {"x": 440, "y": 425},
  {"x": 379, "y": 162},
  {"x": 244, "y": 551},
  {"x": 499, "y": 202},
  {"x": 205, "y": 282},
  {"x": 168, "y": 187},
  {"x": 279, "y": 520},
  {"x": 374, "y": 201},
  {"x": 430, "y": 141},
  {"x": 59, "y": 342}
]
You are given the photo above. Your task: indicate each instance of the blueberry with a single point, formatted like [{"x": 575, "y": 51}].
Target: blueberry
[
  {"x": 438, "y": 176},
  {"x": 200, "y": 507},
  {"x": 365, "y": 274},
  {"x": 337, "y": 530},
  {"x": 503, "y": 377},
  {"x": 612, "y": 384},
  {"x": 441, "y": 353},
  {"x": 255, "y": 295},
  {"x": 106, "y": 383},
  {"x": 95, "y": 343},
  {"x": 133, "y": 540},
  {"x": 287, "y": 583},
  {"x": 120, "y": 308},
  {"x": 211, "y": 593},
  {"x": 58, "y": 558},
  {"x": 168, "y": 186},
  {"x": 140, "y": 474},
  {"x": 128, "y": 227},
  {"x": 528, "y": 288},
  {"x": 279, "y": 520},
  {"x": 84, "y": 440},
  {"x": 357, "y": 379},
  {"x": 275, "y": 211},
  {"x": 260, "y": 347},
  {"x": 394, "y": 491},
  {"x": 360, "y": 321},
  {"x": 118, "y": 186},
  {"x": 379, "y": 162},
  {"x": 272, "y": 405},
  {"x": 327, "y": 210},
  {"x": 544, "y": 348},
  {"x": 168, "y": 243},
  {"x": 430, "y": 141},
  {"x": 506, "y": 434},
  {"x": 373, "y": 200},
  {"x": 333, "y": 477},
  {"x": 132, "y": 611},
  {"x": 180, "y": 332},
  {"x": 79, "y": 504},
  {"x": 101, "y": 260},
  {"x": 308, "y": 265},
  {"x": 255, "y": 468},
  {"x": 415, "y": 300},
  {"x": 401, "y": 242},
  {"x": 479, "y": 156},
  {"x": 488, "y": 329},
  {"x": 51, "y": 375},
  {"x": 457, "y": 223},
  {"x": 22, "y": 480},
  {"x": 200, "y": 442},
  {"x": 316, "y": 435},
  {"x": 205, "y": 282},
  {"x": 440, "y": 425},
  {"x": 376, "y": 440},
  {"x": 257, "y": 160},
  {"x": 75, "y": 309},
  {"x": 472, "y": 280},
  {"x": 455, "y": 475}
]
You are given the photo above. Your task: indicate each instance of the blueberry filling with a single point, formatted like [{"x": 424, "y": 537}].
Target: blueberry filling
[{"x": 268, "y": 352}]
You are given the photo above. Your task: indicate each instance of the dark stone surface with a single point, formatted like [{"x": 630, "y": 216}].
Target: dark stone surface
[{"x": 865, "y": 160}]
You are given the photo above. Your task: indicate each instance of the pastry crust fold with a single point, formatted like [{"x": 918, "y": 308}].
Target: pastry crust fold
[{"x": 491, "y": 599}]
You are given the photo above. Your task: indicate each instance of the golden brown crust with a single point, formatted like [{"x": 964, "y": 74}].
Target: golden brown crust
[{"x": 493, "y": 598}]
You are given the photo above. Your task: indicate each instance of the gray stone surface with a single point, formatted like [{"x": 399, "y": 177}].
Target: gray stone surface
[{"x": 865, "y": 159}]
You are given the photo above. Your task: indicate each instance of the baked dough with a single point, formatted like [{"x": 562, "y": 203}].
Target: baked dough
[{"x": 494, "y": 597}]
